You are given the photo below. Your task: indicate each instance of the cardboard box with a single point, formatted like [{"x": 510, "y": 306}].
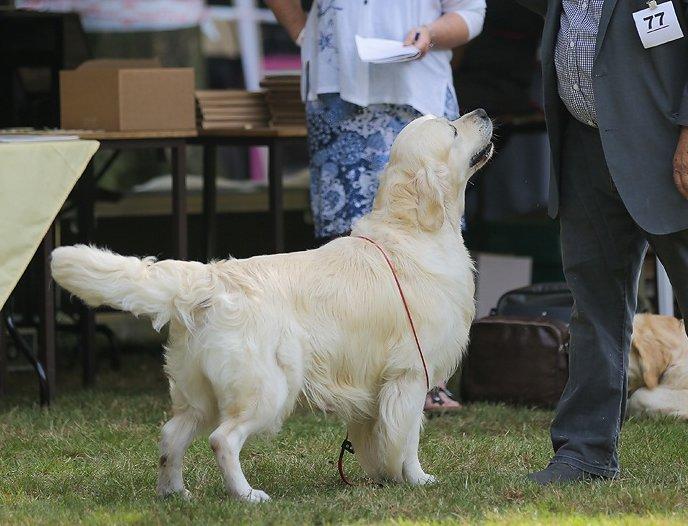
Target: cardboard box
[
  {"x": 127, "y": 95},
  {"x": 497, "y": 274}
]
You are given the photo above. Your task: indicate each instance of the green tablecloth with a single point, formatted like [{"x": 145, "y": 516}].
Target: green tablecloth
[{"x": 35, "y": 180}]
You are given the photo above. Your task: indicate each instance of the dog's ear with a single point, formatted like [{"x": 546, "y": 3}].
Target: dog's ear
[
  {"x": 430, "y": 196},
  {"x": 653, "y": 359}
]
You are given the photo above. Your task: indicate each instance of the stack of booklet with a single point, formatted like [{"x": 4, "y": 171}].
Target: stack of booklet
[
  {"x": 283, "y": 94},
  {"x": 383, "y": 51},
  {"x": 217, "y": 109}
]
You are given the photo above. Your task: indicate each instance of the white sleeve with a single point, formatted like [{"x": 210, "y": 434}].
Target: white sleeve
[{"x": 472, "y": 11}]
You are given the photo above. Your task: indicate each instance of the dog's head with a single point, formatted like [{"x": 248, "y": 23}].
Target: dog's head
[
  {"x": 429, "y": 166},
  {"x": 656, "y": 339}
]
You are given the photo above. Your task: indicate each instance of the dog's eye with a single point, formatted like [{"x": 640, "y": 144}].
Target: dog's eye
[{"x": 456, "y": 132}]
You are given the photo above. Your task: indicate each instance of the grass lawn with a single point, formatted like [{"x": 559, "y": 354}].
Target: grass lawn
[{"x": 92, "y": 459}]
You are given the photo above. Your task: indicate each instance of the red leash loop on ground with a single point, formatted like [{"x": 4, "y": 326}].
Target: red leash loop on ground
[{"x": 346, "y": 445}]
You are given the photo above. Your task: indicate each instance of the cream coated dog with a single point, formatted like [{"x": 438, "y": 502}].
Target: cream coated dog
[
  {"x": 658, "y": 367},
  {"x": 246, "y": 337}
]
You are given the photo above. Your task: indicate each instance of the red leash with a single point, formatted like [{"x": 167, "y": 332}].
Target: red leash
[{"x": 346, "y": 445}]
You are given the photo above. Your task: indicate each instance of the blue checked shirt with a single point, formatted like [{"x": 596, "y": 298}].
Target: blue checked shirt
[{"x": 574, "y": 55}]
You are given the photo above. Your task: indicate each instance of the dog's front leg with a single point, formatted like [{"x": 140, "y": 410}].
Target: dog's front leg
[
  {"x": 361, "y": 435},
  {"x": 412, "y": 470},
  {"x": 398, "y": 429}
]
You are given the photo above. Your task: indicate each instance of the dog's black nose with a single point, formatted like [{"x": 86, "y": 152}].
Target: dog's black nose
[{"x": 481, "y": 113}]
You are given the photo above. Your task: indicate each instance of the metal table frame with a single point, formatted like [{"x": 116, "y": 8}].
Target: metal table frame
[{"x": 44, "y": 364}]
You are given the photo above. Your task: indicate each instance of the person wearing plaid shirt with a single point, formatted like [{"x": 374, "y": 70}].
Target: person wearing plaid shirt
[
  {"x": 574, "y": 55},
  {"x": 617, "y": 119}
]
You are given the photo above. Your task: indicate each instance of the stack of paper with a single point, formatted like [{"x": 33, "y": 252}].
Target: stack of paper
[
  {"x": 283, "y": 94},
  {"x": 217, "y": 109},
  {"x": 383, "y": 51}
]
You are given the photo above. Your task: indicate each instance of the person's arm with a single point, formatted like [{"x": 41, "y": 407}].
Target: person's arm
[
  {"x": 538, "y": 6},
  {"x": 681, "y": 163},
  {"x": 290, "y": 15},
  {"x": 462, "y": 21}
]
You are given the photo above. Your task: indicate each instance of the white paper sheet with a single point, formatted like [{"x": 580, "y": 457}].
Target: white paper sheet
[
  {"x": 37, "y": 138},
  {"x": 383, "y": 51}
]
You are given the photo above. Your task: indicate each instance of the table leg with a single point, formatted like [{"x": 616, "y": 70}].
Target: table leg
[
  {"x": 46, "y": 331},
  {"x": 86, "y": 220},
  {"x": 276, "y": 194},
  {"x": 209, "y": 201},
  {"x": 3, "y": 359},
  {"x": 179, "y": 201}
]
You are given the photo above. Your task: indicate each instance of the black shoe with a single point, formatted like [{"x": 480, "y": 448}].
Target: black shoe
[{"x": 560, "y": 473}]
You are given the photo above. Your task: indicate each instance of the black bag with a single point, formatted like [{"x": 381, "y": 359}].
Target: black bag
[
  {"x": 518, "y": 354},
  {"x": 544, "y": 300}
]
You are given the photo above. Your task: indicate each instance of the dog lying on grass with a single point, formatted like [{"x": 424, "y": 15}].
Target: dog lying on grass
[
  {"x": 658, "y": 367},
  {"x": 246, "y": 337}
]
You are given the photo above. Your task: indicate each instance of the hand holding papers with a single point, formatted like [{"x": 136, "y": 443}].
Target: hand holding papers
[{"x": 383, "y": 51}]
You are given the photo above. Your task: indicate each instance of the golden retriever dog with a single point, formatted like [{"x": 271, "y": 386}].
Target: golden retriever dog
[
  {"x": 658, "y": 367},
  {"x": 246, "y": 337}
]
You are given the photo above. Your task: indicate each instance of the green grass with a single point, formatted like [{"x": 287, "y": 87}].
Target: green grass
[{"x": 92, "y": 459}]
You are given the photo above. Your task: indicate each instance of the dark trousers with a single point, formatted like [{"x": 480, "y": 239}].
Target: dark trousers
[{"x": 602, "y": 252}]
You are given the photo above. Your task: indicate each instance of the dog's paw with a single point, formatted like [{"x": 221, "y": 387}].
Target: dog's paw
[
  {"x": 428, "y": 479},
  {"x": 422, "y": 480},
  {"x": 183, "y": 493},
  {"x": 186, "y": 495},
  {"x": 256, "y": 495}
]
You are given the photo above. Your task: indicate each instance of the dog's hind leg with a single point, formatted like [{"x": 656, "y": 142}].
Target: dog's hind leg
[
  {"x": 176, "y": 436},
  {"x": 226, "y": 442},
  {"x": 398, "y": 429},
  {"x": 260, "y": 407}
]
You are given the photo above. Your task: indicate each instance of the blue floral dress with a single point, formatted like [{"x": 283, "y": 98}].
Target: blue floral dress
[{"x": 349, "y": 146}]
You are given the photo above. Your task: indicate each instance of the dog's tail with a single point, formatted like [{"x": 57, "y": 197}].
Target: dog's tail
[{"x": 161, "y": 290}]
